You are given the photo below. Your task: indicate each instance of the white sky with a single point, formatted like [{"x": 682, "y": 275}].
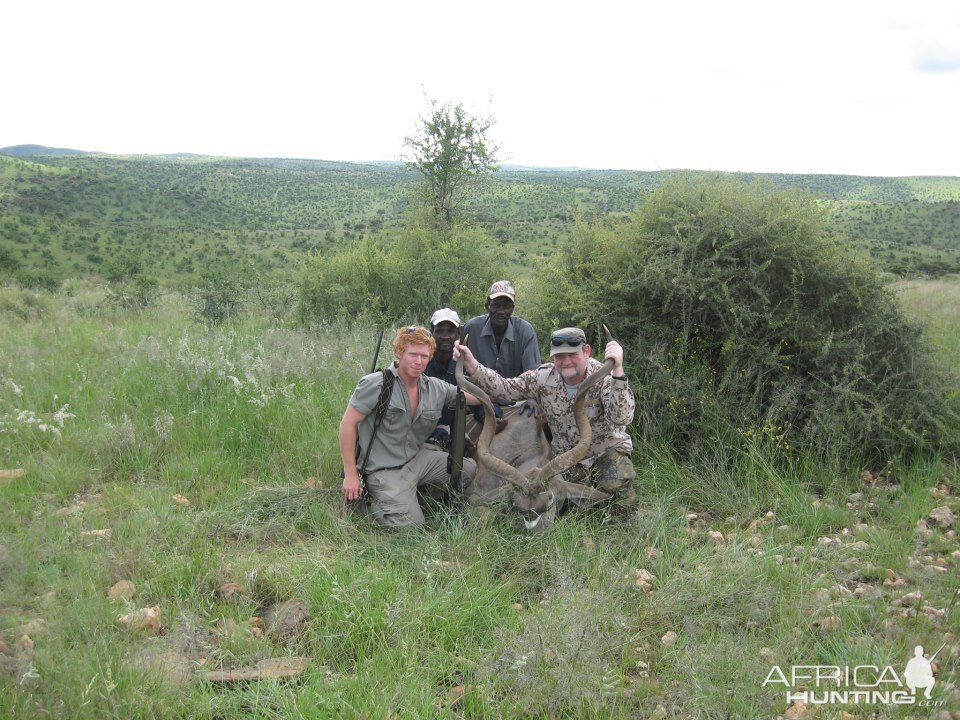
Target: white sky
[{"x": 869, "y": 87}]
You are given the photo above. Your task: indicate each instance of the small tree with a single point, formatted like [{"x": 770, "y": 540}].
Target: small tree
[{"x": 449, "y": 146}]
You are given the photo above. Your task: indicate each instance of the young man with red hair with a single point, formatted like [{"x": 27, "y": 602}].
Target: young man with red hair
[{"x": 398, "y": 460}]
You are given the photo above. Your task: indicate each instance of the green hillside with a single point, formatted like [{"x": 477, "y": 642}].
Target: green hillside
[{"x": 172, "y": 217}]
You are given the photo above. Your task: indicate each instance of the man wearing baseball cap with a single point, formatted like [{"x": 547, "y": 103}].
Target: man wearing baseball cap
[
  {"x": 610, "y": 406},
  {"x": 500, "y": 341},
  {"x": 445, "y": 325}
]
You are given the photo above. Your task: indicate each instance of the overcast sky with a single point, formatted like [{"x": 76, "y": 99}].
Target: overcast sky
[{"x": 866, "y": 87}]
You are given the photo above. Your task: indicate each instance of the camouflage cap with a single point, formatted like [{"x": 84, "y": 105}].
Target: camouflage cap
[
  {"x": 501, "y": 288},
  {"x": 566, "y": 340}
]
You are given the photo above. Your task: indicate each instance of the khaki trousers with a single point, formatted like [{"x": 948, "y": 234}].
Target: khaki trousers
[{"x": 393, "y": 493}]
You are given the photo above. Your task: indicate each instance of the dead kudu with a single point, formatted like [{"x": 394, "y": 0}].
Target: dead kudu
[{"x": 517, "y": 461}]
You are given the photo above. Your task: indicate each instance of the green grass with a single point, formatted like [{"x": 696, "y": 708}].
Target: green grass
[{"x": 465, "y": 618}]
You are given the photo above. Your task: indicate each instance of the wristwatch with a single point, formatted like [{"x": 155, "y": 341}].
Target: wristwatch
[{"x": 619, "y": 377}]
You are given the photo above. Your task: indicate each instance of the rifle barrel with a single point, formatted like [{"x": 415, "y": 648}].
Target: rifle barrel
[{"x": 376, "y": 353}]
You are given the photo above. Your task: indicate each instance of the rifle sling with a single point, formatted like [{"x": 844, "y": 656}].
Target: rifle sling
[{"x": 379, "y": 410}]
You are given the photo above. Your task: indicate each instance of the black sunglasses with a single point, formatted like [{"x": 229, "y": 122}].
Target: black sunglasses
[{"x": 558, "y": 340}]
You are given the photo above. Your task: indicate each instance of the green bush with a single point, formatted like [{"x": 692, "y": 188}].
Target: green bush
[
  {"x": 219, "y": 295},
  {"x": 402, "y": 275},
  {"x": 742, "y": 318}
]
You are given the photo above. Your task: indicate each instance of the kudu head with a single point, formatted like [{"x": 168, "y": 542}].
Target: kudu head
[{"x": 539, "y": 494}]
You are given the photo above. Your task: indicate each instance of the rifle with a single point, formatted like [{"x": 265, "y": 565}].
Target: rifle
[
  {"x": 382, "y": 402},
  {"x": 376, "y": 353},
  {"x": 457, "y": 442}
]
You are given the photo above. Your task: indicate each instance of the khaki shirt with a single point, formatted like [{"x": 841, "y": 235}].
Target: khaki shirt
[
  {"x": 400, "y": 435},
  {"x": 610, "y": 406}
]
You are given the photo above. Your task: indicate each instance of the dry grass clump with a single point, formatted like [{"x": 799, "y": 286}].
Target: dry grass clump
[{"x": 567, "y": 654}]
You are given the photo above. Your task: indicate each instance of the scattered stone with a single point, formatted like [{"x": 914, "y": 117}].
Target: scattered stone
[
  {"x": 25, "y": 642},
  {"x": 180, "y": 500},
  {"x": 312, "y": 483},
  {"x": 826, "y": 541},
  {"x": 923, "y": 530},
  {"x": 660, "y": 713},
  {"x": 270, "y": 669},
  {"x": 858, "y": 546},
  {"x": 826, "y": 625},
  {"x": 122, "y": 590},
  {"x": 70, "y": 509},
  {"x": 104, "y": 534},
  {"x": 909, "y": 600},
  {"x": 754, "y": 541},
  {"x": 670, "y": 638},
  {"x": 644, "y": 580},
  {"x": 894, "y": 580},
  {"x": 796, "y": 711},
  {"x": 587, "y": 542},
  {"x": 715, "y": 537},
  {"x": 12, "y": 474},
  {"x": 769, "y": 516},
  {"x": 653, "y": 553},
  {"x": 228, "y": 590},
  {"x": 517, "y": 606},
  {"x": 860, "y": 528},
  {"x": 943, "y": 517},
  {"x": 146, "y": 619},
  {"x": 286, "y": 620},
  {"x": 767, "y": 655}
]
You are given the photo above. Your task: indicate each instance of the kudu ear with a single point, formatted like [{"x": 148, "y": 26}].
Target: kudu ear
[{"x": 583, "y": 495}]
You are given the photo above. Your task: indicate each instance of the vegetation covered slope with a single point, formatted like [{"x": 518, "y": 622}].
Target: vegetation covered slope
[{"x": 63, "y": 216}]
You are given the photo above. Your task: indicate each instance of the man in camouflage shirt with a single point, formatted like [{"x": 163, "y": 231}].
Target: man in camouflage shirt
[{"x": 610, "y": 407}]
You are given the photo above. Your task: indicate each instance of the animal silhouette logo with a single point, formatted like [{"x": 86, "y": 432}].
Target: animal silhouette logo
[{"x": 919, "y": 672}]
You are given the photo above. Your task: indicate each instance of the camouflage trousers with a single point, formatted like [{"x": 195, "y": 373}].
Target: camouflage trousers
[{"x": 612, "y": 472}]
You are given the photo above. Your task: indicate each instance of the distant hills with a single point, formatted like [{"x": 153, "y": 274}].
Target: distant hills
[
  {"x": 34, "y": 150},
  {"x": 68, "y": 212}
]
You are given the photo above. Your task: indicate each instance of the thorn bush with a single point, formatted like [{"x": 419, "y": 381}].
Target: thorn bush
[{"x": 742, "y": 315}]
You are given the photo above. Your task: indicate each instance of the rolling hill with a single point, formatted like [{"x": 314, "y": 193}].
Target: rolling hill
[{"x": 65, "y": 213}]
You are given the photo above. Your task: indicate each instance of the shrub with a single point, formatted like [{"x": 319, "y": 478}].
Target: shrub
[
  {"x": 405, "y": 274},
  {"x": 220, "y": 295},
  {"x": 740, "y": 315}
]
